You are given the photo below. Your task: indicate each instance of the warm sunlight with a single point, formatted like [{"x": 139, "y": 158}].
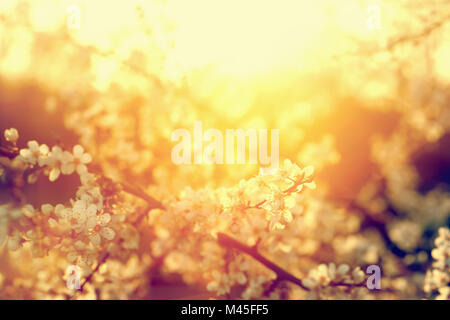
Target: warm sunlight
[{"x": 224, "y": 149}]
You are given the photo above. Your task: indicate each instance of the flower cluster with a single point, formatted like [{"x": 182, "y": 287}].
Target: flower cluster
[
  {"x": 81, "y": 229},
  {"x": 251, "y": 211},
  {"x": 11, "y": 135},
  {"x": 56, "y": 161},
  {"x": 437, "y": 279},
  {"x": 8, "y": 217},
  {"x": 265, "y": 211},
  {"x": 324, "y": 275}
]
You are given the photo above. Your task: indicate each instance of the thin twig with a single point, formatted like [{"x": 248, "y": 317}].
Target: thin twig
[
  {"x": 9, "y": 152},
  {"x": 423, "y": 34},
  {"x": 229, "y": 242},
  {"x": 152, "y": 203},
  {"x": 287, "y": 191},
  {"x": 91, "y": 275}
]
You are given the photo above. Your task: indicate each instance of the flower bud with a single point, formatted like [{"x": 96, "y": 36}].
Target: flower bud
[{"x": 11, "y": 135}]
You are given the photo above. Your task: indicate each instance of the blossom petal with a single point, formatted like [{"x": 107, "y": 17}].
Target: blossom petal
[
  {"x": 86, "y": 158},
  {"x": 95, "y": 239},
  {"x": 82, "y": 169},
  {"x": 43, "y": 149},
  {"x": 67, "y": 168},
  {"x": 78, "y": 151},
  {"x": 91, "y": 222},
  {"x": 105, "y": 219},
  {"x": 108, "y": 233},
  {"x": 54, "y": 174}
]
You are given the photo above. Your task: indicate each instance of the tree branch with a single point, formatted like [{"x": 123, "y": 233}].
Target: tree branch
[
  {"x": 152, "y": 203},
  {"x": 281, "y": 274},
  {"x": 289, "y": 190},
  {"x": 423, "y": 34},
  {"x": 91, "y": 275},
  {"x": 9, "y": 152},
  {"x": 229, "y": 242}
]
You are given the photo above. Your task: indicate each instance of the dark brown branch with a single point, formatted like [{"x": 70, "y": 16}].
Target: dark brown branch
[
  {"x": 289, "y": 190},
  {"x": 229, "y": 242},
  {"x": 12, "y": 152},
  {"x": 281, "y": 274},
  {"x": 9, "y": 152},
  {"x": 152, "y": 203},
  {"x": 272, "y": 287},
  {"x": 91, "y": 275}
]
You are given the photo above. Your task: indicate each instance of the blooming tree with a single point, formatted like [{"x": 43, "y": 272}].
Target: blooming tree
[{"x": 359, "y": 120}]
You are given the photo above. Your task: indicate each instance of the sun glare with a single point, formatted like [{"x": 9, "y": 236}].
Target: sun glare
[{"x": 242, "y": 37}]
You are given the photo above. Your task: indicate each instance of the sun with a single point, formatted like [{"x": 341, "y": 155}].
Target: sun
[{"x": 242, "y": 38}]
